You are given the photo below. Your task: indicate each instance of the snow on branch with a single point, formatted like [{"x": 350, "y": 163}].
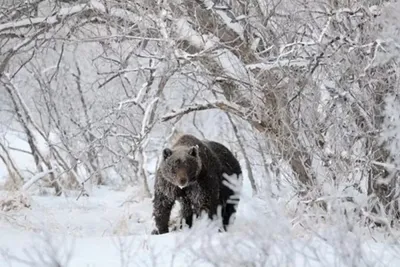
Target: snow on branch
[
  {"x": 35, "y": 178},
  {"x": 199, "y": 107},
  {"x": 147, "y": 115},
  {"x": 279, "y": 63},
  {"x": 42, "y": 20},
  {"x": 16, "y": 48},
  {"x": 226, "y": 14},
  {"x": 45, "y": 21},
  {"x": 55, "y": 19},
  {"x": 232, "y": 108}
]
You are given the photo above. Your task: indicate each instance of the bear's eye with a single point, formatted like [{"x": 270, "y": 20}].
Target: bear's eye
[{"x": 178, "y": 162}]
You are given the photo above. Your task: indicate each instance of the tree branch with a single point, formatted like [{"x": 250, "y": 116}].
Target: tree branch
[{"x": 232, "y": 108}]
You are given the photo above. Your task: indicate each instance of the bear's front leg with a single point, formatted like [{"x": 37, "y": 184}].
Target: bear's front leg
[
  {"x": 213, "y": 208},
  {"x": 186, "y": 212},
  {"x": 207, "y": 206},
  {"x": 162, "y": 206}
]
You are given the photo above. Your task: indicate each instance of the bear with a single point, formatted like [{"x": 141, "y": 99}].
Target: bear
[{"x": 192, "y": 172}]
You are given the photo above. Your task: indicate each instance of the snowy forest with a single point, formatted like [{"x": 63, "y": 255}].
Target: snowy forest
[{"x": 305, "y": 93}]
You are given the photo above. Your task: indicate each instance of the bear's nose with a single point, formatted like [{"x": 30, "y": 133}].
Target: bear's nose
[{"x": 183, "y": 181}]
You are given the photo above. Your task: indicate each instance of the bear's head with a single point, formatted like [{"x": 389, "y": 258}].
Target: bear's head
[{"x": 181, "y": 165}]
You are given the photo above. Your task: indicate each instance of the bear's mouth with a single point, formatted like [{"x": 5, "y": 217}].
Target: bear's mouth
[{"x": 183, "y": 184}]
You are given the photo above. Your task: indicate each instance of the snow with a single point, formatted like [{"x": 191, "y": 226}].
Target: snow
[
  {"x": 102, "y": 231},
  {"x": 35, "y": 178},
  {"x": 279, "y": 62},
  {"x": 186, "y": 32},
  {"x": 229, "y": 19}
]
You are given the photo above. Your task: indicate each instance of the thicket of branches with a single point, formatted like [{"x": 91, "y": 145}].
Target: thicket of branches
[{"x": 102, "y": 82}]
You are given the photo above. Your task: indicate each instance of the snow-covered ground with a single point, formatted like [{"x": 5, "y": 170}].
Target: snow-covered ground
[{"x": 105, "y": 230}]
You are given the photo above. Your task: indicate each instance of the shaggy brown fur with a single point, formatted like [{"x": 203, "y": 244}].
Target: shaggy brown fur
[{"x": 192, "y": 173}]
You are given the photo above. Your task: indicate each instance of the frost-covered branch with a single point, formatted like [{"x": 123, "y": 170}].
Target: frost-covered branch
[
  {"x": 35, "y": 178},
  {"x": 51, "y": 20},
  {"x": 15, "y": 49},
  {"x": 223, "y": 105}
]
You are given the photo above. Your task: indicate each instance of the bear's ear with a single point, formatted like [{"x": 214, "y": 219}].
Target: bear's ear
[
  {"x": 194, "y": 150},
  {"x": 166, "y": 153}
]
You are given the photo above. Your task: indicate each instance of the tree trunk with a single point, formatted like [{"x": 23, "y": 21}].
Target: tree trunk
[
  {"x": 142, "y": 171},
  {"x": 25, "y": 119},
  {"x": 13, "y": 171},
  {"x": 246, "y": 158}
]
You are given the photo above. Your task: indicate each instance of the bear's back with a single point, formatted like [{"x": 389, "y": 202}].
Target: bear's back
[{"x": 230, "y": 164}]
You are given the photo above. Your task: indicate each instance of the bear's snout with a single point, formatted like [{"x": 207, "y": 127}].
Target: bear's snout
[
  {"x": 182, "y": 178},
  {"x": 183, "y": 182}
]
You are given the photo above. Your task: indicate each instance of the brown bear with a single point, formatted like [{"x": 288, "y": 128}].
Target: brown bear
[{"x": 192, "y": 172}]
